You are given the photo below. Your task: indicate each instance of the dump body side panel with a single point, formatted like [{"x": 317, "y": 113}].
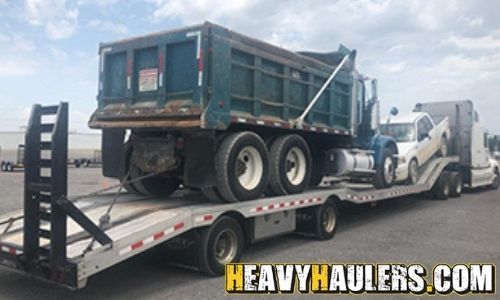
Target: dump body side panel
[{"x": 211, "y": 75}]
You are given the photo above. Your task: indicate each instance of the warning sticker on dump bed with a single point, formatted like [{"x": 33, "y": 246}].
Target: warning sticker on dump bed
[{"x": 148, "y": 80}]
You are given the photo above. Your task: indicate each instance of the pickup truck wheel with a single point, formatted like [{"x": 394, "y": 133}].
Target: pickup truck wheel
[
  {"x": 291, "y": 166},
  {"x": 441, "y": 189},
  {"x": 385, "y": 172},
  {"x": 157, "y": 185},
  {"x": 443, "y": 148},
  {"x": 413, "y": 172},
  {"x": 456, "y": 184},
  {"x": 242, "y": 167},
  {"x": 221, "y": 243}
]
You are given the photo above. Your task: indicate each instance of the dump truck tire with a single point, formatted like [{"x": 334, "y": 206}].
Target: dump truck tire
[
  {"x": 385, "y": 172},
  {"x": 291, "y": 165},
  {"x": 241, "y": 167},
  {"x": 157, "y": 185},
  {"x": 220, "y": 244},
  {"x": 212, "y": 194}
]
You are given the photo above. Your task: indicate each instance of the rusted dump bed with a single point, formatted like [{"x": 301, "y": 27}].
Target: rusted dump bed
[{"x": 207, "y": 76}]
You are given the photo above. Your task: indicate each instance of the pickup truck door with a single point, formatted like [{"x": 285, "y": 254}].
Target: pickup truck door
[{"x": 424, "y": 146}]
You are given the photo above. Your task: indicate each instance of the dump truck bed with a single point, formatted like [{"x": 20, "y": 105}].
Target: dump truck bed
[{"x": 209, "y": 77}]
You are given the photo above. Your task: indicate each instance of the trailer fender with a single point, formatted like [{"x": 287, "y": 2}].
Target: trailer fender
[{"x": 379, "y": 143}]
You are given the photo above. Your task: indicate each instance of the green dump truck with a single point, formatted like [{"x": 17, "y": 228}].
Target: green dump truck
[{"x": 213, "y": 110}]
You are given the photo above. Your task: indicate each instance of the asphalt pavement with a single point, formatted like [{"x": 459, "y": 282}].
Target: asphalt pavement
[{"x": 406, "y": 230}]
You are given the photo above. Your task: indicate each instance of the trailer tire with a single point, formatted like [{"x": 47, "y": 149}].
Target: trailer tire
[
  {"x": 212, "y": 193},
  {"x": 291, "y": 166},
  {"x": 456, "y": 184},
  {"x": 221, "y": 243},
  {"x": 10, "y": 167},
  {"x": 441, "y": 189},
  {"x": 3, "y": 166},
  {"x": 326, "y": 220},
  {"x": 157, "y": 185},
  {"x": 242, "y": 167},
  {"x": 385, "y": 172}
]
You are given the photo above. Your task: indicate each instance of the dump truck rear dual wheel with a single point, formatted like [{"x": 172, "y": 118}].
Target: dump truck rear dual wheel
[
  {"x": 385, "y": 172},
  {"x": 291, "y": 165},
  {"x": 221, "y": 243},
  {"x": 158, "y": 185},
  {"x": 241, "y": 167}
]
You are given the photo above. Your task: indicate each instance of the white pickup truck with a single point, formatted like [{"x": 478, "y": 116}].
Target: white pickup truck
[{"x": 418, "y": 139}]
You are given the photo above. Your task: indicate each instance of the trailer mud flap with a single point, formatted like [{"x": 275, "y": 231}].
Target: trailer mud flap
[{"x": 113, "y": 153}]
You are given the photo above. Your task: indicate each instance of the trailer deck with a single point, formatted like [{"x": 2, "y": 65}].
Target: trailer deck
[{"x": 138, "y": 223}]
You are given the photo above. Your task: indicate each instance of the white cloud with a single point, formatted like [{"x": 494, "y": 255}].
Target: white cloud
[
  {"x": 58, "y": 53},
  {"x": 471, "y": 43},
  {"x": 396, "y": 67},
  {"x": 59, "y": 21},
  {"x": 108, "y": 26},
  {"x": 17, "y": 67},
  {"x": 97, "y": 2}
]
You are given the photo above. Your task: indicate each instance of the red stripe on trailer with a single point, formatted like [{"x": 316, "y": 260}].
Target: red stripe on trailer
[
  {"x": 12, "y": 250},
  {"x": 207, "y": 217},
  {"x": 178, "y": 226},
  {"x": 258, "y": 208},
  {"x": 282, "y": 204},
  {"x": 136, "y": 245},
  {"x": 270, "y": 206}
]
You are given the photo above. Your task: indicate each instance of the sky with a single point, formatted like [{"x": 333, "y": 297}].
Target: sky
[{"x": 420, "y": 50}]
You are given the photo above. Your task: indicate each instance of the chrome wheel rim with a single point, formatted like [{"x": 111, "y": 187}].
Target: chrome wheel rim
[
  {"x": 249, "y": 167},
  {"x": 388, "y": 170},
  {"x": 295, "y": 166},
  {"x": 225, "y": 246}
]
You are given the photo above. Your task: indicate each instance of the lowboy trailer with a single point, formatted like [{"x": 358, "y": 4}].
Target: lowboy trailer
[{"x": 67, "y": 241}]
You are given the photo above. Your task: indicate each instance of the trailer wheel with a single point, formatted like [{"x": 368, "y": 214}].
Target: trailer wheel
[
  {"x": 385, "y": 172},
  {"x": 326, "y": 220},
  {"x": 291, "y": 166},
  {"x": 157, "y": 185},
  {"x": 413, "y": 172},
  {"x": 441, "y": 189},
  {"x": 2, "y": 166},
  {"x": 10, "y": 167},
  {"x": 212, "y": 193},
  {"x": 242, "y": 167},
  {"x": 221, "y": 243},
  {"x": 443, "y": 148},
  {"x": 456, "y": 184},
  {"x": 496, "y": 181}
]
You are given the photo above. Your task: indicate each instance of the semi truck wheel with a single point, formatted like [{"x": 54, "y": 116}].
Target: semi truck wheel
[
  {"x": 385, "y": 172},
  {"x": 241, "y": 167},
  {"x": 413, "y": 172},
  {"x": 496, "y": 181},
  {"x": 441, "y": 189},
  {"x": 157, "y": 185},
  {"x": 291, "y": 165},
  {"x": 221, "y": 243},
  {"x": 456, "y": 184}
]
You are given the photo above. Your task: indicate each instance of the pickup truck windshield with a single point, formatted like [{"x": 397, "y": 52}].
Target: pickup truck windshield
[{"x": 402, "y": 132}]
